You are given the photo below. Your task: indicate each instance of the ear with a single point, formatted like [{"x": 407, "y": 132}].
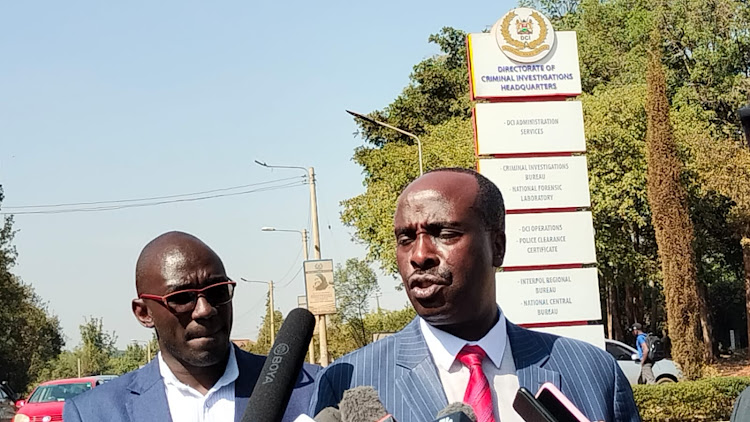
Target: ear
[
  {"x": 142, "y": 313},
  {"x": 498, "y": 248}
]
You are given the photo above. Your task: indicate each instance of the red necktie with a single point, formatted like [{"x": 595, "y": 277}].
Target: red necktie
[{"x": 478, "y": 393}]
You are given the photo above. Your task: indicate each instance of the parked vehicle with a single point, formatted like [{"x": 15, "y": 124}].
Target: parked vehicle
[
  {"x": 627, "y": 357},
  {"x": 46, "y": 402},
  {"x": 7, "y": 397}
]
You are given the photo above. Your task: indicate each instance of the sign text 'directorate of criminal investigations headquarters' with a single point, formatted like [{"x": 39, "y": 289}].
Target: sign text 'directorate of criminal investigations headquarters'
[{"x": 532, "y": 147}]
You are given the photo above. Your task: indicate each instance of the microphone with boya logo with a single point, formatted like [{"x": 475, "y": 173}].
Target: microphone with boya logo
[
  {"x": 457, "y": 412},
  {"x": 279, "y": 375},
  {"x": 362, "y": 404}
]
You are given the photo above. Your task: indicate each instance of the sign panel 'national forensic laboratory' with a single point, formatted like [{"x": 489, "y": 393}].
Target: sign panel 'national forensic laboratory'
[
  {"x": 321, "y": 298},
  {"x": 549, "y": 239},
  {"x": 540, "y": 183},
  {"x": 494, "y": 75},
  {"x": 544, "y": 296},
  {"x": 523, "y": 128}
]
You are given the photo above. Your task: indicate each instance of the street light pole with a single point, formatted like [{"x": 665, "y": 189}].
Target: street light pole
[
  {"x": 270, "y": 299},
  {"x": 409, "y": 134},
  {"x": 303, "y": 232},
  {"x": 316, "y": 247}
]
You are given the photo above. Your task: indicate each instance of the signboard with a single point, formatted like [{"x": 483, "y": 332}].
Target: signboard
[
  {"x": 593, "y": 334},
  {"x": 321, "y": 298},
  {"x": 492, "y": 74},
  {"x": 544, "y": 296},
  {"x": 549, "y": 239},
  {"x": 524, "y": 128},
  {"x": 540, "y": 183}
]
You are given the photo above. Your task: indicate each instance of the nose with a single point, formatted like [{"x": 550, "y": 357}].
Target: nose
[
  {"x": 424, "y": 256},
  {"x": 203, "y": 309}
]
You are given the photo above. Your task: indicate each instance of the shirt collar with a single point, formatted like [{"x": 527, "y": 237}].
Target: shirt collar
[
  {"x": 444, "y": 347},
  {"x": 230, "y": 374}
]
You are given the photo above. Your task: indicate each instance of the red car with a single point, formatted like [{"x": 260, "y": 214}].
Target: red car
[{"x": 45, "y": 403}]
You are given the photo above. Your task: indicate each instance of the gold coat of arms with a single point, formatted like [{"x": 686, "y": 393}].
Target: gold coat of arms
[{"x": 524, "y": 35}]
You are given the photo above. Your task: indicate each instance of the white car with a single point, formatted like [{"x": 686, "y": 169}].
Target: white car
[{"x": 627, "y": 357}]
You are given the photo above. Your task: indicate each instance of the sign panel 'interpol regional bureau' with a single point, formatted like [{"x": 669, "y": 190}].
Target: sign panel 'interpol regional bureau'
[{"x": 530, "y": 142}]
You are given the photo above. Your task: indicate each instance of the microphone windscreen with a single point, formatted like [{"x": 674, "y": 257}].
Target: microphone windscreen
[
  {"x": 362, "y": 404},
  {"x": 457, "y": 407},
  {"x": 279, "y": 375},
  {"x": 329, "y": 414}
]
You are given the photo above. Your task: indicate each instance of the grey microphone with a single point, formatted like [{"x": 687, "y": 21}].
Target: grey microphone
[
  {"x": 329, "y": 414},
  {"x": 457, "y": 412},
  {"x": 362, "y": 404}
]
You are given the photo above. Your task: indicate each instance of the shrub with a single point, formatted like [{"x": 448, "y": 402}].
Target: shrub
[{"x": 708, "y": 399}]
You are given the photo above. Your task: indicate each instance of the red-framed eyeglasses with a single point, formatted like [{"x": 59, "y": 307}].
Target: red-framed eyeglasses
[{"x": 184, "y": 300}]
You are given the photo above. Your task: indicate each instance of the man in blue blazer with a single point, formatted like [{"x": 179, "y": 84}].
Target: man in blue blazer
[
  {"x": 450, "y": 238},
  {"x": 198, "y": 375}
]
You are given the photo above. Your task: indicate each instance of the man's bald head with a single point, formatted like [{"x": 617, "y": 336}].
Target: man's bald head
[{"x": 164, "y": 250}]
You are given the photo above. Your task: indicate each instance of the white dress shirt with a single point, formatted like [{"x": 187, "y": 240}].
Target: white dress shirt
[
  {"x": 498, "y": 366},
  {"x": 186, "y": 404}
]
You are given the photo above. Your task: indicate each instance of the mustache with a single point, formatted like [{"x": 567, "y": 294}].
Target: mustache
[{"x": 443, "y": 274}]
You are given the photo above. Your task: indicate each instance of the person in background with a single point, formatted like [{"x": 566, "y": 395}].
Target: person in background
[{"x": 647, "y": 366}]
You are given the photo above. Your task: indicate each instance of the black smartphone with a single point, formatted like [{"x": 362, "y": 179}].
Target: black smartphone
[{"x": 529, "y": 408}]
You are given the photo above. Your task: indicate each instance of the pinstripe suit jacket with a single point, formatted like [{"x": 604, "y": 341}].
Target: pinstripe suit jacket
[{"x": 401, "y": 368}]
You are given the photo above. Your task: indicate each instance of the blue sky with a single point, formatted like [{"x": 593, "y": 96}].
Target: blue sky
[{"x": 107, "y": 101}]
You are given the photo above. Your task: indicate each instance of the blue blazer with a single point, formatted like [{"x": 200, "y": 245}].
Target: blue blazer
[
  {"x": 139, "y": 395},
  {"x": 401, "y": 368}
]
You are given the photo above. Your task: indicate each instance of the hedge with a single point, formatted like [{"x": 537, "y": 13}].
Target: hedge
[{"x": 708, "y": 399}]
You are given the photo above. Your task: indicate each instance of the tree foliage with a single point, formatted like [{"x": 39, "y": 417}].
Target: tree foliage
[
  {"x": 29, "y": 335},
  {"x": 356, "y": 284},
  {"x": 263, "y": 343},
  {"x": 435, "y": 106}
]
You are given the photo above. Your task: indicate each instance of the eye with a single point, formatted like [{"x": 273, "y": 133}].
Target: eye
[
  {"x": 181, "y": 298},
  {"x": 403, "y": 239},
  {"x": 448, "y": 234}
]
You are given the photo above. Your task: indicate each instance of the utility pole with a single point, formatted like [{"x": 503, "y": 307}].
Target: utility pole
[
  {"x": 322, "y": 330},
  {"x": 270, "y": 298}
]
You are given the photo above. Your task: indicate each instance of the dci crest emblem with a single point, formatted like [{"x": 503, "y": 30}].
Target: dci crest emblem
[{"x": 524, "y": 35}]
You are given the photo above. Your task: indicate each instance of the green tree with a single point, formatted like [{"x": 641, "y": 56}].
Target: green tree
[
  {"x": 131, "y": 359},
  {"x": 263, "y": 344},
  {"x": 435, "y": 106},
  {"x": 29, "y": 335},
  {"x": 356, "y": 283},
  {"x": 674, "y": 229}
]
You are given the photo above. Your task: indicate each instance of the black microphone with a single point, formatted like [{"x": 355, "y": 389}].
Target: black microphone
[
  {"x": 457, "y": 412},
  {"x": 362, "y": 404},
  {"x": 279, "y": 375},
  {"x": 329, "y": 414}
]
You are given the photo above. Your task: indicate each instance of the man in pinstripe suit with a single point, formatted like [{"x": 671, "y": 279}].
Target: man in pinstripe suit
[{"x": 450, "y": 235}]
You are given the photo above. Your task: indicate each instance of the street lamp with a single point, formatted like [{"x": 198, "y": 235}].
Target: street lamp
[
  {"x": 270, "y": 298},
  {"x": 377, "y": 122},
  {"x": 303, "y": 232}
]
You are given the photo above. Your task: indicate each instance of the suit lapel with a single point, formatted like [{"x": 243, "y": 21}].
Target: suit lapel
[
  {"x": 249, "y": 367},
  {"x": 148, "y": 400},
  {"x": 419, "y": 385},
  {"x": 530, "y": 354}
]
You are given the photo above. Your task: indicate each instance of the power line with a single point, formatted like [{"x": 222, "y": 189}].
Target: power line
[
  {"x": 71, "y": 204},
  {"x": 150, "y": 204}
]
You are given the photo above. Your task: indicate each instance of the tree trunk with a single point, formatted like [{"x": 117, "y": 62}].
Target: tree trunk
[
  {"x": 613, "y": 319},
  {"x": 707, "y": 330},
  {"x": 628, "y": 300},
  {"x": 745, "y": 242}
]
